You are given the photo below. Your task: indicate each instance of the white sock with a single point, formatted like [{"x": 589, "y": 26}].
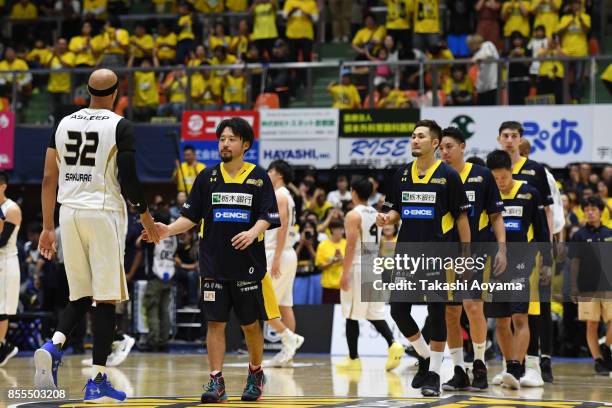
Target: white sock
[
  {"x": 97, "y": 369},
  {"x": 544, "y": 356},
  {"x": 504, "y": 365},
  {"x": 479, "y": 350},
  {"x": 436, "y": 361},
  {"x": 58, "y": 338},
  {"x": 457, "y": 355},
  {"x": 421, "y": 347}
]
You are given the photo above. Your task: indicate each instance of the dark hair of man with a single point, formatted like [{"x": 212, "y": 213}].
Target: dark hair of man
[
  {"x": 511, "y": 124},
  {"x": 4, "y": 177},
  {"x": 188, "y": 147},
  {"x": 499, "y": 159},
  {"x": 240, "y": 127},
  {"x": 284, "y": 169},
  {"x": 455, "y": 133},
  {"x": 362, "y": 186},
  {"x": 476, "y": 160},
  {"x": 335, "y": 224},
  {"x": 593, "y": 201},
  {"x": 434, "y": 129}
]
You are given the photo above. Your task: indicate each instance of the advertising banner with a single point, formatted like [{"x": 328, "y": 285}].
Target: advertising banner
[
  {"x": 559, "y": 134},
  {"x": 304, "y": 124},
  {"x": 602, "y": 138},
  {"x": 202, "y": 125},
  {"x": 323, "y": 154},
  {"x": 7, "y": 140}
]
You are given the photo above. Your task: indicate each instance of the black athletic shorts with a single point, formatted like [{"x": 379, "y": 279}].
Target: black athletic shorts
[
  {"x": 505, "y": 309},
  {"x": 251, "y": 300}
]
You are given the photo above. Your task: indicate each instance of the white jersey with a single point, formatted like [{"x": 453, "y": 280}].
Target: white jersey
[
  {"x": 86, "y": 144},
  {"x": 369, "y": 234},
  {"x": 163, "y": 258},
  {"x": 271, "y": 235},
  {"x": 10, "y": 249}
]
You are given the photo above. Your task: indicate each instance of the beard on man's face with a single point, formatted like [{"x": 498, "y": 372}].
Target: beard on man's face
[{"x": 226, "y": 156}]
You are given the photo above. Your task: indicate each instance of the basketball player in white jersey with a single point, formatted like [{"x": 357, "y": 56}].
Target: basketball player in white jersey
[
  {"x": 89, "y": 152},
  {"x": 360, "y": 226},
  {"x": 9, "y": 267},
  {"x": 282, "y": 263}
]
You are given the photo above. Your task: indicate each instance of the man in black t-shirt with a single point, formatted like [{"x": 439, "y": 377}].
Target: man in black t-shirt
[{"x": 236, "y": 202}]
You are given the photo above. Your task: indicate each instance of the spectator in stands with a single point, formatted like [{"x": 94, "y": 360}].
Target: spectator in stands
[
  {"x": 341, "y": 194},
  {"x": 392, "y": 52},
  {"x": 187, "y": 274},
  {"x": 301, "y": 16},
  {"x": 369, "y": 38},
  {"x": 537, "y": 43},
  {"x": 388, "y": 240},
  {"x": 265, "y": 32},
  {"x": 218, "y": 37},
  {"x": 59, "y": 85},
  {"x": 426, "y": 23},
  {"x": 278, "y": 79},
  {"x": 606, "y": 174},
  {"x": 440, "y": 51},
  {"x": 240, "y": 42},
  {"x": 70, "y": 12},
  {"x": 551, "y": 73},
  {"x": 165, "y": 43},
  {"x": 376, "y": 199},
  {"x": 331, "y": 214},
  {"x": 145, "y": 92},
  {"x": 163, "y": 6},
  {"x": 23, "y": 10},
  {"x": 186, "y": 37},
  {"x": 382, "y": 71},
  {"x": 174, "y": 87},
  {"x": 460, "y": 25},
  {"x": 586, "y": 171},
  {"x": 518, "y": 75},
  {"x": 206, "y": 89},
  {"x": 573, "y": 29},
  {"x": 330, "y": 255},
  {"x": 486, "y": 83},
  {"x": 80, "y": 46},
  {"x": 209, "y": 6},
  {"x": 345, "y": 94},
  {"x": 189, "y": 169},
  {"x": 318, "y": 203},
  {"x": 175, "y": 210},
  {"x": 222, "y": 57},
  {"x": 388, "y": 97},
  {"x": 22, "y": 15},
  {"x": 95, "y": 10},
  {"x": 38, "y": 56},
  {"x": 458, "y": 88},
  {"x": 142, "y": 44},
  {"x": 237, "y": 6},
  {"x": 234, "y": 91},
  {"x": 341, "y": 21},
  {"x": 23, "y": 81},
  {"x": 399, "y": 22},
  {"x": 515, "y": 14},
  {"x": 488, "y": 20},
  {"x": 113, "y": 43},
  {"x": 546, "y": 13},
  {"x": 307, "y": 285},
  {"x": 198, "y": 57}
]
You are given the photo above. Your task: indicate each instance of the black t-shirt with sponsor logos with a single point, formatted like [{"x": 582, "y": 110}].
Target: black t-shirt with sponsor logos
[
  {"x": 534, "y": 174},
  {"x": 428, "y": 205},
  {"x": 229, "y": 205},
  {"x": 484, "y": 198}
]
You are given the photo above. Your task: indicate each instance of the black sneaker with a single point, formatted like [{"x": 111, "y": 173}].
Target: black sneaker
[
  {"x": 254, "y": 387},
  {"x": 459, "y": 382},
  {"x": 431, "y": 385},
  {"x": 7, "y": 351},
  {"x": 421, "y": 374},
  {"x": 546, "y": 368},
  {"x": 601, "y": 368},
  {"x": 606, "y": 355},
  {"x": 511, "y": 377},
  {"x": 411, "y": 351},
  {"x": 214, "y": 392},
  {"x": 479, "y": 371}
]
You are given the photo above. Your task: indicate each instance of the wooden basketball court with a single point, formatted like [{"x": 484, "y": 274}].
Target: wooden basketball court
[{"x": 175, "y": 380}]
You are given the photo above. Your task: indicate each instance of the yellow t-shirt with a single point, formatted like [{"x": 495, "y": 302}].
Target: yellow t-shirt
[
  {"x": 574, "y": 40},
  {"x": 365, "y": 35},
  {"x": 516, "y": 21},
  {"x": 146, "y": 42},
  {"x": 234, "y": 89},
  {"x": 237, "y": 5},
  {"x": 229, "y": 60},
  {"x": 176, "y": 92},
  {"x": 190, "y": 173},
  {"x": 145, "y": 89},
  {"x": 319, "y": 210},
  {"x": 111, "y": 40},
  {"x": 205, "y": 91},
  {"x": 209, "y": 6},
  {"x": 445, "y": 54},
  {"x": 605, "y": 215},
  {"x": 18, "y": 12},
  {"x": 17, "y": 65},
  {"x": 426, "y": 16},
  {"x": 60, "y": 82},
  {"x": 547, "y": 68},
  {"x": 214, "y": 42},
  {"x": 167, "y": 40},
  {"x": 545, "y": 15},
  {"x": 330, "y": 276},
  {"x": 240, "y": 45},
  {"x": 395, "y": 99},
  {"x": 298, "y": 24},
  {"x": 607, "y": 74},
  {"x": 185, "y": 26},
  {"x": 41, "y": 55},
  {"x": 264, "y": 22},
  {"x": 89, "y": 6},
  {"x": 345, "y": 96},
  {"x": 450, "y": 86},
  {"x": 398, "y": 14},
  {"x": 83, "y": 56}
]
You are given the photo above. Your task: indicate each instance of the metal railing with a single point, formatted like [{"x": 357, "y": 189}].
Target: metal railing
[{"x": 263, "y": 71}]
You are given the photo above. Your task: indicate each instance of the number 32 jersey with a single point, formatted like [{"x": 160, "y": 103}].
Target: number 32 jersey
[{"x": 87, "y": 143}]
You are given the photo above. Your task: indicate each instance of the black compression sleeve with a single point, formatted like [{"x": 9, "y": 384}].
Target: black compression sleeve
[
  {"x": 8, "y": 229},
  {"x": 126, "y": 164}
]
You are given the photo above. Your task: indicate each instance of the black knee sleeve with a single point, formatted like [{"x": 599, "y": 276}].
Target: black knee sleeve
[
  {"x": 546, "y": 329},
  {"x": 534, "y": 335},
  {"x": 437, "y": 317},
  {"x": 352, "y": 337},
  {"x": 400, "y": 312}
]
